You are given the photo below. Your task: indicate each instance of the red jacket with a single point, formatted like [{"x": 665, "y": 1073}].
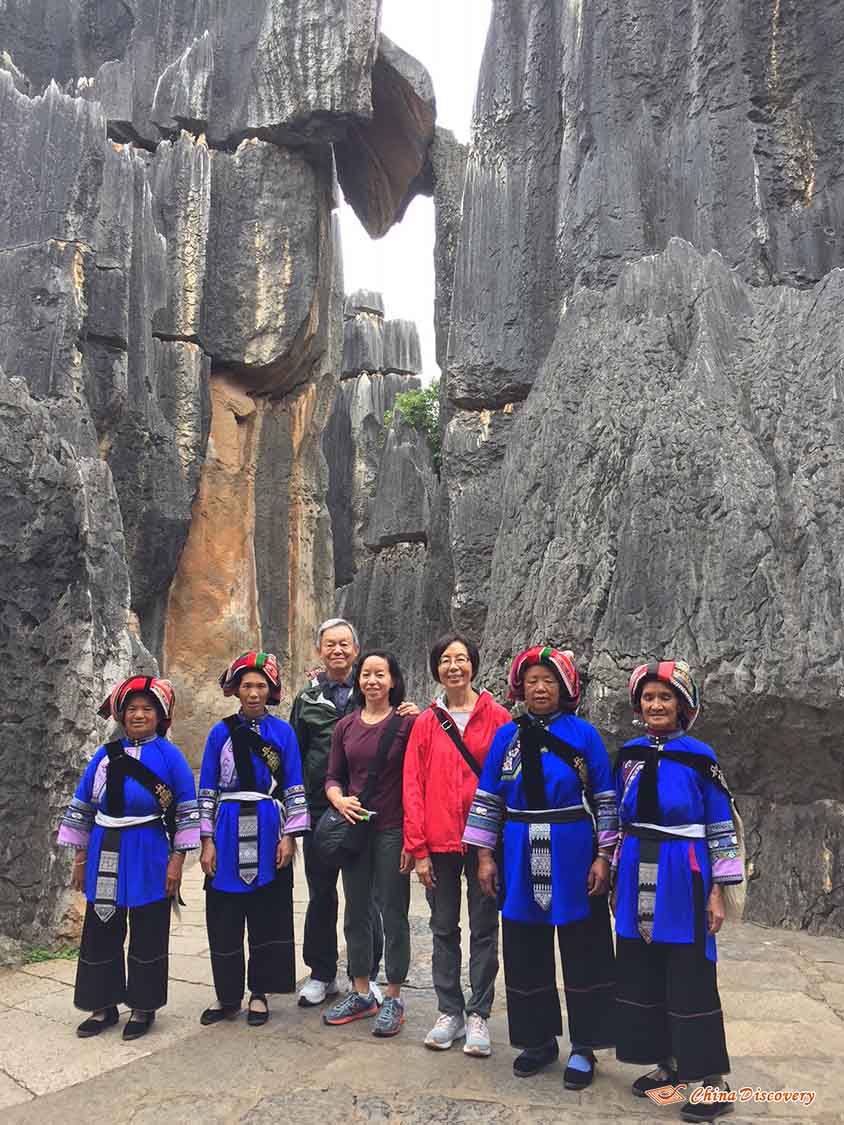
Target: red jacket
[{"x": 438, "y": 785}]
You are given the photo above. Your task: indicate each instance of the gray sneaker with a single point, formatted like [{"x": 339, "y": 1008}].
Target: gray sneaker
[
  {"x": 477, "y": 1037},
  {"x": 390, "y": 1018},
  {"x": 353, "y": 1006},
  {"x": 444, "y": 1032}
]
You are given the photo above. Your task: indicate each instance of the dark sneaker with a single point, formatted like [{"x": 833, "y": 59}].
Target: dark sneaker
[
  {"x": 534, "y": 1059},
  {"x": 390, "y": 1018},
  {"x": 351, "y": 1007}
]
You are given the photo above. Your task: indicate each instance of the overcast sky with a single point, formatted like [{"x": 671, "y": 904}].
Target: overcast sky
[{"x": 448, "y": 37}]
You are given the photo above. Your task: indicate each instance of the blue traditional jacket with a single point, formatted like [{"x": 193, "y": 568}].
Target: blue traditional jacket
[
  {"x": 285, "y": 814},
  {"x": 699, "y": 812},
  {"x": 144, "y": 848},
  {"x": 572, "y": 845}
]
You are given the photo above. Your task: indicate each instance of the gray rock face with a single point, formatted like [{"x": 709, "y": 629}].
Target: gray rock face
[
  {"x": 401, "y": 509},
  {"x": 673, "y": 484},
  {"x": 363, "y": 343},
  {"x": 63, "y": 639},
  {"x": 294, "y": 68},
  {"x": 402, "y": 350},
  {"x": 363, "y": 300},
  {"x": 448, "y": 159},
  {"x": 672, "y": 481},
  {"x": 383, "y": 163}
]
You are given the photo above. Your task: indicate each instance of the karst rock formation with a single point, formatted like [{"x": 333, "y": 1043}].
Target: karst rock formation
[
  {"x": 643, "y": 450},
  {"x": 639, "y": 302},
  {"x": 171, "y": 339}
]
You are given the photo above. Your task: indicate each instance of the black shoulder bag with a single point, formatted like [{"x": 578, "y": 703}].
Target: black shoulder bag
[
  {"x": 453, "y": 733},
  {"x": 335, "y": 839}
]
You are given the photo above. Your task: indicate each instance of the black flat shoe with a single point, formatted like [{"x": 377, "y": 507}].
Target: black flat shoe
[
  {"x": 574, "y": 1079},
  {"x": 653, "y": 1081},
  {"x": 215, "y": 1015},
  {"x": 532, "y": 1060},
  {"x": 92, "y": 1027},
  {"x": 134, "y": 1029},
  {"x": 257, "y": 1019},
  {"x": 706, "y": 1111}
]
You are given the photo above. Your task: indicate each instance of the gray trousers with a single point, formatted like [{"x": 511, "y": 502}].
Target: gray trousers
[
  {"x": 444, "y": 901},
  {"x": 377, "y": 868}
]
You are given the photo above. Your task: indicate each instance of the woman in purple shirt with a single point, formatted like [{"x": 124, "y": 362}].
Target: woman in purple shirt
[{"x": 383, "y": 863}]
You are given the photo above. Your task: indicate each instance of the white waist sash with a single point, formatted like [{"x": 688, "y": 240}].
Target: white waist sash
[
  {"x": 686, "y": 831},
  {"x": 106, "y": 821},
  {"x": 245, "y": 795}
]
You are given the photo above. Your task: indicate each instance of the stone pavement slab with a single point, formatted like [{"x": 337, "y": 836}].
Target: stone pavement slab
[{"x": 782, "y": 992}]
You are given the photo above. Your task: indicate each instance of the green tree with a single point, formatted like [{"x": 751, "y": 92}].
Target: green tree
[{"x": 420, "y": 408}]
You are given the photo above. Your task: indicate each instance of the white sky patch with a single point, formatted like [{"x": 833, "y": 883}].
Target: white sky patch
[{"x": 448, "y": 36}]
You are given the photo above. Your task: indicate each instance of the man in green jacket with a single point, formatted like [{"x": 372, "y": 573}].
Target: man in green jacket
[{"x": 316, "y": 711}]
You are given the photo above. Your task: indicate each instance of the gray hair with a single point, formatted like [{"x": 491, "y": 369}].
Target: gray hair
[{"x": 333, "y": 623}]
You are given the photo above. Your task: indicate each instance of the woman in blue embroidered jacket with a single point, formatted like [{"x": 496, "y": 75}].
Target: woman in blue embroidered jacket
[
  {"x": 546, "y": 793},
  {"x": 133, "y": 788},
  {"x": 252, "y": 805},
  {"x": 677, "y": 849}
]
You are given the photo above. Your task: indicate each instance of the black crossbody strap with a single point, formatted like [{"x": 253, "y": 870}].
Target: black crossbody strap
[
  {"x": 700, "y": 763},
  {"x": 245, "y": 742},
  {"x": 450, "y": 728},
  {"x": 122, "y": 765},
  {"x": 387, "y": 736},
  {"x": 574, "y": 759}
]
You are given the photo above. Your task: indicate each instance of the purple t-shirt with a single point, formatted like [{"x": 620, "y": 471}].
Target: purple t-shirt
[{"x": 354, "y": 745}]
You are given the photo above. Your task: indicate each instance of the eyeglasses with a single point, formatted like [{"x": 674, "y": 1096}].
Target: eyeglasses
[{"x": 459, "y": 661}]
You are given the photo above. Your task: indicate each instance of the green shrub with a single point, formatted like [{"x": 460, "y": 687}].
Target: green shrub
[{"x": 421, "y": 409}]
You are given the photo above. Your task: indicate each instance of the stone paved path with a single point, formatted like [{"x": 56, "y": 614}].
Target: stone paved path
[{"x": 783, "y": 994}]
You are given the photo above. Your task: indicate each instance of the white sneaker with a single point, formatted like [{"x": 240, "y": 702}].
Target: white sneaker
[
  {"x": 376, "y": 992},
  {"x": 444, "y": 1032},
  {"x": 314, "y": 992},
  {"x": 477, "y": 1037}
]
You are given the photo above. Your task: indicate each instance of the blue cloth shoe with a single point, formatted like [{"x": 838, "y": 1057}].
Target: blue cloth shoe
[{"x": 390, "y": 1018}]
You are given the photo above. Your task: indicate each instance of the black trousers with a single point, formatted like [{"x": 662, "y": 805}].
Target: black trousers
[
  {"x": 533, "y": 1003},
  {"x": 319, "y": 944},
  {"x": 102, "y": 979},
  {"x": 267, "y": 915},
  {"x": 668, "y": 1003}
]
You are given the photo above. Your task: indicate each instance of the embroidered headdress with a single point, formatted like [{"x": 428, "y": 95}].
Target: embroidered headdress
[
  {"x": 559, "y": 660},
  {"x": 161, "y": 691},
  {"x": 678, "y": 675},
  {"x": 263, "y": 662}
]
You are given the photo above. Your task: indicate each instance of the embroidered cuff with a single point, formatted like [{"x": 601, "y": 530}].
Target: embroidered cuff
[
  {"x": 727, "y": 871},
  {"x": 486, "y": 816},
  {"x": 76, "y": 824},
  {"x": 207, "y": 805},
  {"x": 295, "y": 817}
]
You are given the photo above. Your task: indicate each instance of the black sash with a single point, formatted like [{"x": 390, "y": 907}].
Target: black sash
[
  {"x": 647, "y": 805},
  {"x": 453, "y": 733},
  {"x": 245, "y": 743},
  {"x": 532, "y": 737},
  {"x": 122, "y": 765}
]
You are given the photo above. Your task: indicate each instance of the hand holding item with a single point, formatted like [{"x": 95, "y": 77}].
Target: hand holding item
[
  {"x": 208, "y": 857},
  {"x": 285, "y": 851},
  {"x": 715, "y": 912},
  {"x": 174, "y": 873},
  {"x": 598, "y": 879},
  {"x": 487, "y": 873},
  {"x": 350, "y": 808},
  {"x": 425, "y": 873}
]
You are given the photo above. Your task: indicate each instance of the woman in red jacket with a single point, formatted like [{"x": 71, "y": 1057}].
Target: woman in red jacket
[{"x": 445, "y": 752}]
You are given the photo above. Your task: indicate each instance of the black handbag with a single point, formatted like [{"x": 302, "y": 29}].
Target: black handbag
[{"x": 336, "y": 840}]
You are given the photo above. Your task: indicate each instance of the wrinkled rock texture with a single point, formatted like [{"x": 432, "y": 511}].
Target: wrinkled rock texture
[
  {"x": 171, "y": 331},
  {"x": 64, "y": 636},
  {"x": 642, "y": 386},
  {"x": 382, "y": 493}
]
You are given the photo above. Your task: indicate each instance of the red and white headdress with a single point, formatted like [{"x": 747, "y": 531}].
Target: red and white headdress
[
  {"x": 560, "y": 660},
  {"x": 678, "y": 675},
  {"x": 160, "y": 690},
  {"x": 263, "y": 662}
]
